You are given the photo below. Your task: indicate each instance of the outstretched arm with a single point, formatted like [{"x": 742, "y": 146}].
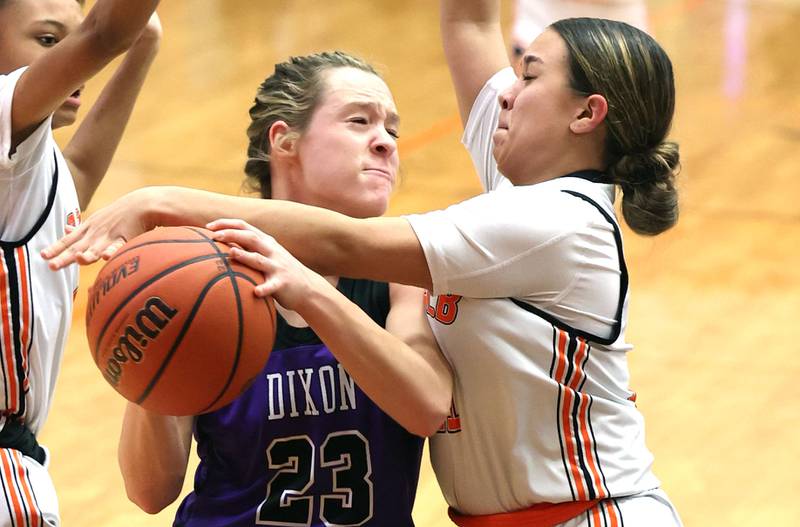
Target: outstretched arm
[
  {"x": 473, "y": 45},
  {"x": 333, "y": 244},
  {"x": 153, "y": 454},
  {"x": 403, "y": 358},
  {"x": 91, "y": 149},
  {"x": 110, "y": 28}
]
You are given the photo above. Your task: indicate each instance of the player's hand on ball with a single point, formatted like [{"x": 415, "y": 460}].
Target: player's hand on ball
[
  {"x": 286, "y": 279},
  {"x": 101, "y": 235}
]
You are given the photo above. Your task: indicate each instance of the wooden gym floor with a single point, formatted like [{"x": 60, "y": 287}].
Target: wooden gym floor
[{"x": 714, "y": 302}]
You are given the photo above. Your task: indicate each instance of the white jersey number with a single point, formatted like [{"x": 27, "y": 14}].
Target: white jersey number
[{"x": 350, "y": 502}]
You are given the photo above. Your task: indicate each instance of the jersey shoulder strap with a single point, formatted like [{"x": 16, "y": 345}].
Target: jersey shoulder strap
[{"x": 623, "y": 285}]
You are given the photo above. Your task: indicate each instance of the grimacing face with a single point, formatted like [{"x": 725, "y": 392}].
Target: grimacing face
[
  {"x": 28, "y": 28},
  {"x": 536, "y": 111},
  {"x": 348, "y": 152}
]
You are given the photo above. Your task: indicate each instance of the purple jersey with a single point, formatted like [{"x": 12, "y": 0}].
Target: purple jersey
[{"x": 303, "y": 446}]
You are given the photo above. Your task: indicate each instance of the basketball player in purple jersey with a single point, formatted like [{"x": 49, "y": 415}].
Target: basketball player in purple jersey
[{"x": 305, "y": 444}]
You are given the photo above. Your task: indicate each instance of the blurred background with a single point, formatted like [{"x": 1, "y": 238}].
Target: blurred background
[{"x": 714, "y": 302}]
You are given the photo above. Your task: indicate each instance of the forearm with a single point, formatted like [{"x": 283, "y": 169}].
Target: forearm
[
  {"x": 383, "y": 249},
  {"x": 409, "y": 380},
  {"x": 474, "y": 12},
  {"x": 473, "y": 45},
  {"x": 116, "y": 24},
  {"x": 153, "y": 455},
  {"x": 93, "y": 146}
]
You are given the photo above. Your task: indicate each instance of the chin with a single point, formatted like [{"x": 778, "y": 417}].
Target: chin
[
  {"x": 62, "y": 118},
  {"x": 371, "y": 210}
]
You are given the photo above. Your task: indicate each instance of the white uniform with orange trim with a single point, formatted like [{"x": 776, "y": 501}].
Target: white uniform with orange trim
[
  {"x": 531, "y": 312},
  {"x": 37, "y": 200}
]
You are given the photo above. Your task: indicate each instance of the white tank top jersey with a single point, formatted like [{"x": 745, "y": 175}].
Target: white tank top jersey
[
  {"x": 531, "y": 309},
  {"x": 37, "y": 200}
]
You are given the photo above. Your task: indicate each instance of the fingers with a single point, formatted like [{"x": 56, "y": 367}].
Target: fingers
[
  {"x": 260, "y": 263},
  {"x": 66, "y": 241},
  {"x": 244, "y": 235},
  {"x": 109, "y": 251},
  {"x": 65, "y": 252},
  {"x": 229, "y": 223}
]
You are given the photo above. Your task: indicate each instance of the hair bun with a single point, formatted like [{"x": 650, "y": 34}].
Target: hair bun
[{"x": 647, "y": 179}]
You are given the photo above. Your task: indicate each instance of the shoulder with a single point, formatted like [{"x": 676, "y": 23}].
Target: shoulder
[{"x": 33, "y": 145}]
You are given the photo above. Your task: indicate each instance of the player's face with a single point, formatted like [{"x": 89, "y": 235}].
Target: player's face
[
  {"x": 536, "y": 111},
  {"x": 28, "y": 28},
  {"x": 348, "y": 153}
]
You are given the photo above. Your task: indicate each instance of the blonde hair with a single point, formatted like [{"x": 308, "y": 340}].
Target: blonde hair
[{"x": 290, "y": 94}]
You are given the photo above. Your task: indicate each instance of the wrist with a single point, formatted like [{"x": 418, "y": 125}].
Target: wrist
[
  {"x": 153, "y": 206},
  {"x": 316, "y": 300}
]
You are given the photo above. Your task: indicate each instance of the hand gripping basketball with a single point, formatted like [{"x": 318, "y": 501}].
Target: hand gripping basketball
[{"x": 174, "y": 325}]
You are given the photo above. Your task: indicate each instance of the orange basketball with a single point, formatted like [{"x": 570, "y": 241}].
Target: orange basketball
[{"x": 173, "y": 323}]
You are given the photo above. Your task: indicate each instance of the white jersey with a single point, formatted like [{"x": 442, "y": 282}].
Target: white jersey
[
  {"x": 530, "y": 310},
  {"x": 37, "y": 200}
]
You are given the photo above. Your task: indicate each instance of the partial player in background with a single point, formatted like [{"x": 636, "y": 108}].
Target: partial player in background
[
  {"x": 47, "y": 53},
  {"x": 331, "y": 432},
  {"x": 531, "y": 17}
]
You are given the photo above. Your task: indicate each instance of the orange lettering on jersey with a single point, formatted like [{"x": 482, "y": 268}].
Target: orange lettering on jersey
[
  {"x": 446, "y": 308},
  {"x": 452, "y": 424},
  {"x": 74, "y": 218}
]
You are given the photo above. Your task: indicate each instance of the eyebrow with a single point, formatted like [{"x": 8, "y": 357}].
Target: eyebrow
[
  {"x": 391, "y": 117},
  {"x": 527, "y": 59},
  {"x": 58, "y": 25}
]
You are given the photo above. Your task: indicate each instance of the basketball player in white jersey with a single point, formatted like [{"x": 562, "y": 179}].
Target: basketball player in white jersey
[
  {"x": 528, "y": 282},
  {"x": 46, "y": 55}
]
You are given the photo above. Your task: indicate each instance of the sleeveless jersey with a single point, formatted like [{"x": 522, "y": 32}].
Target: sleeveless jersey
[
  {"x": 304, "y": 445},
  {"x": 530, "y": 309},
  {"x": 37, "y": 201}
]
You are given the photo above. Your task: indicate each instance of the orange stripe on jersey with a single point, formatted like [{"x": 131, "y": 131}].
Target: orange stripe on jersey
[
  {"x": 25, "y": 485},
  {"x": 588, "y": 451},
  {"x": 561, "y": 356},
  {"x": 596, "y": 516},
  {"x": 611, "y": 510},
  {"x": 12, "y": 494},
  {"x": 571, "y": 442},
  {"x": 8, "y": 356},
  {"x": 24, "y": 337},
  {"x": 583, "y": 466}
]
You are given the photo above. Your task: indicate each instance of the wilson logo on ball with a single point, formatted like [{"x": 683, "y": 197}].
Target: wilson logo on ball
[
  {"x": 148, "y": 324},
  {"x": 100, "y": 289}
]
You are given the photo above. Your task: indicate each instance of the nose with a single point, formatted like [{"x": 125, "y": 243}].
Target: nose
[
  {"x": 384, "y": 144},
  {"x": 506, "y": 98}
]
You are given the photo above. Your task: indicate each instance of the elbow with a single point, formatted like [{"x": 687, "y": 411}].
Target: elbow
[
  {"x": 430, "y": 421},
  {"x": 153, "y": 500},
  {"x": 107, "y": 40},
  {"x": 110, "y": 42}
]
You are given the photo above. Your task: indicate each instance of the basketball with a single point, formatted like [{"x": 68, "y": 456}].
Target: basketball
[{"x": 173, "y": 324}]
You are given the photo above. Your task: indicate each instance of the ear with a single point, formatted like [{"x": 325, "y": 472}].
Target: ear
[
  {"x": 281, "y": 140},
  {"x": 591, "y": 115}
]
